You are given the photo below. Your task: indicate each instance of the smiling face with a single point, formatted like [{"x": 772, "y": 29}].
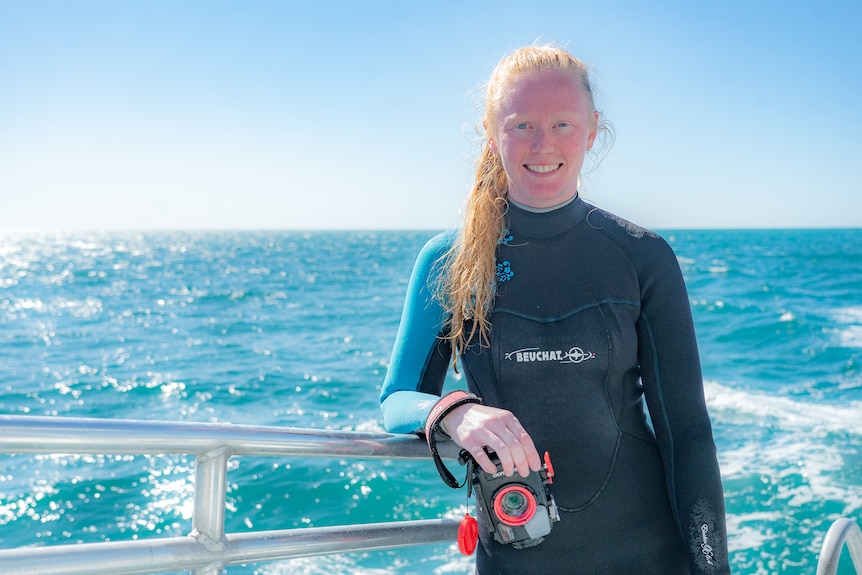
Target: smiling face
[{"x": 543, "y": 126}]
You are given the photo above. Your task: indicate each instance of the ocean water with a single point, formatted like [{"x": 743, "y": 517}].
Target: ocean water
[{"x": 295, "y": 329}]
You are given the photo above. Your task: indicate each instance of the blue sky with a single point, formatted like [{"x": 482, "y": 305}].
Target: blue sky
[{"x": 210, "y": 114}]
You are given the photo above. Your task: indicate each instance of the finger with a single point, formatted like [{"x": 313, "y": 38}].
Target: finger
[
  {"x": 521, "y": 449},
  {"x": 503, "y": 452},
  {"x": 513, "y": 447},
  {"x": 484, "y": 461},
  {"x": 532, "y": 458},
  {"x": 476, "y": 446}
]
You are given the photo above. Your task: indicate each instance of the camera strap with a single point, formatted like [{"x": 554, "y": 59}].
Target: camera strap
[{"x": 434, "y": 432}]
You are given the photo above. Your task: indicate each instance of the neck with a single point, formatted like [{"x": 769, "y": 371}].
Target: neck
[{"x": 542, "y": 210}]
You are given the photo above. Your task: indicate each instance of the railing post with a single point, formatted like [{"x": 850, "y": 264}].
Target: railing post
[
  {"x": 210, "y": 495},
  {"x": 843, "y": 532}
]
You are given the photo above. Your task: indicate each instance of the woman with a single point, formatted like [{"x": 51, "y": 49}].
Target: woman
[{"x": 564, "y": 319}]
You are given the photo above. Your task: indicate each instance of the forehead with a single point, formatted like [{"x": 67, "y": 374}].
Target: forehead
[{"x": 546, "y": 89}]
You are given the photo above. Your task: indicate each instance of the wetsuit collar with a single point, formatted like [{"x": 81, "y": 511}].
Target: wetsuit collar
[
  {"x": 549, "y": 223},
  {"x": 542, "y": 210}
]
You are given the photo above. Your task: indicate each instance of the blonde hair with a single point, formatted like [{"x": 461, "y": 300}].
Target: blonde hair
[{"x": 467, "y": 282}]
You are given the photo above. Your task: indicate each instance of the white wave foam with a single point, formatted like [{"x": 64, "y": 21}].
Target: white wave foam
[
  {"x": 742, "y": 406},
  {"x": 747, "y": 531},
  {"x": 851, "y": 314},
  {"x": 850, "y": 336},
  {"x": 805, "y": 450}
]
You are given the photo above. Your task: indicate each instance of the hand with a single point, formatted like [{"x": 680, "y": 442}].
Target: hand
[{"x": 474, "y": 426}]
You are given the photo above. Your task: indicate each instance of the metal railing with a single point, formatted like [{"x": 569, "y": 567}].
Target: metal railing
[
  {"x": 207, "y": 548},
  {"x": 842, "y": 532}
]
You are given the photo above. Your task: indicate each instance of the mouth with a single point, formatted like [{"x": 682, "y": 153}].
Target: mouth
[{"x": 543, "y": 168}]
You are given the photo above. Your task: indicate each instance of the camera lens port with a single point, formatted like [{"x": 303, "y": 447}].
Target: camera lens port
[{"x": 514, "y": 505}]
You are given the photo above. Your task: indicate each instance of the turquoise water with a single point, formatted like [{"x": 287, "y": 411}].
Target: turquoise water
[{"x": 295, "y": 329}]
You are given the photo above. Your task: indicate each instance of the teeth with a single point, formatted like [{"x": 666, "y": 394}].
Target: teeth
[{"x": 543, "y": 168}]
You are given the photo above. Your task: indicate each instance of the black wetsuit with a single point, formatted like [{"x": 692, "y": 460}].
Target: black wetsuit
[{"x": 590, "y": 316}]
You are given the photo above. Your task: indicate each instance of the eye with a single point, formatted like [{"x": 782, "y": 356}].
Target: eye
[{"x": 521, "y": 126}]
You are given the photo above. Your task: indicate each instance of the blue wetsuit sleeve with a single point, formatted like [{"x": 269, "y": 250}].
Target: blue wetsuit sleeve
[
  {"x": 420, "y": 359},
  {"x": 673, "y": 387}
]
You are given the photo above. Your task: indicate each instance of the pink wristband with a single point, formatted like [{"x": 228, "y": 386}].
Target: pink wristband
[{"x": 434, "y": 433}]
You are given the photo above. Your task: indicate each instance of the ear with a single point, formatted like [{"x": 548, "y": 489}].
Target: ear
[
  {"x": 593, "y": 131},
  {"x": 492, "y": 145}
]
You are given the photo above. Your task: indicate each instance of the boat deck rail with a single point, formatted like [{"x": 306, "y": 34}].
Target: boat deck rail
[
  {"x": 207, "y": 549},
  {"x": 843, "y": 532}
]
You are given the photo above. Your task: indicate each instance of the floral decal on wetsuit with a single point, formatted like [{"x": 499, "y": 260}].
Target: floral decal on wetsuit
[{"x": 504, "y": 271}]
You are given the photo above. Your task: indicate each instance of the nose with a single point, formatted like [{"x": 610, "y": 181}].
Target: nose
[{"x": 542, "y": 140}]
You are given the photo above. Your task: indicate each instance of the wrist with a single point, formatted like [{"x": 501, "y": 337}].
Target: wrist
[
  {"x": 441, "y": 425},
  {"x": 443, "y": 407},
  {"x": 435, "y": 431}
]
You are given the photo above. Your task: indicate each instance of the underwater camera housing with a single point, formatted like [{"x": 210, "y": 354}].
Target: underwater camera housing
[{"x": 518, "y": 510}]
